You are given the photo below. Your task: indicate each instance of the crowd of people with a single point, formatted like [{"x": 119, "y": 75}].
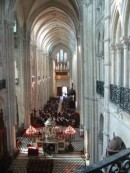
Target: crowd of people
[
  {"x": 66, "y": 116},
  {"x": 63, "y": 117}
]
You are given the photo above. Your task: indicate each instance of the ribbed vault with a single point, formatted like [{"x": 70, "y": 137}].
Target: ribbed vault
[{"x": 53, "y": 27}]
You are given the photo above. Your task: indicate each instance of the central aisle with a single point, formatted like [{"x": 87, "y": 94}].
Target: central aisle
[{"x": 60, "y": 104}]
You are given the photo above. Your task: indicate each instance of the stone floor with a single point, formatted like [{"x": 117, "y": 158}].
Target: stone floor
[{"x": 62, "y": 163}]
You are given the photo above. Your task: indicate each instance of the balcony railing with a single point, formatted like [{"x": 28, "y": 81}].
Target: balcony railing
[
  {"x": 100, "y": 88},
  {"x": 120, "y": 96},
  {"x": 2, "y": 84},
  {"x": 119, "y": 162}
]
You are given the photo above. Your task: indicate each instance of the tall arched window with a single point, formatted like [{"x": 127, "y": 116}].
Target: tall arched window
[
  {"x": 61, "y": 59},
  {"x": 15, "y": 27},
  {"x": 15, "y": 34},
  {"x": 61, "y": 54}
]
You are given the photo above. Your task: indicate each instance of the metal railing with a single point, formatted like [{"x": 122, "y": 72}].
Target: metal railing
[
  {"x": 120, "y": 96},
  {"x": 116, "y": 163}
]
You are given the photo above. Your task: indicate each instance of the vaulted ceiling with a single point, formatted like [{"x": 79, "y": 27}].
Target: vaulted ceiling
[{"x": 52, "y": 22}]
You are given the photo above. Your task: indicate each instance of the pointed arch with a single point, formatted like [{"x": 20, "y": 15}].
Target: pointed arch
[
  {"x": 126, "y": 14},
  {"x": 115, "y": 18},
  {"x": 58, "y": 5},
  {"x": 100, "y": 39},
  {"x": 10, "y": 12}
]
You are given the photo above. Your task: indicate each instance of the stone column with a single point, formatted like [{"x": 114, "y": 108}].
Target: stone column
[
  {"x": 46, "y": 78},
  {"x": 37, "y": 73},
  {"x": 53, "y": 77},
  {"x": 102, "y": 67},
  {"x": 89, "y": 74},
  {"x": 21, "y": 77},
  {"x": 34, "y": 94},
  {"x": 41, "y": 83},
  {"x": 27, "y": 81},
  {"x": 9, "y": 73},
  {"x": 98, "y": 68},
  {"x": 107, "y": 75},
  {"x": 125, "y": 42},
  {"x": 113, "y": 49},
  {"x": 100, "y": 146},
  {"x": 118, "y": 64},
  {"x": 1, "y": 50},
  {"x": 45, "y": 83},
  {"x": 79, "y": 72},
  {"x": 43, "y": 79},
  {"x": 84, "y": 105}
]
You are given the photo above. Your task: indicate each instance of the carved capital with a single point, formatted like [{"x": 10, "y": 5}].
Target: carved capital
[
  {"x": 125, "y": 41},
  {"x": 100, "y": 55},
  {"x": 112, "y": 47},
  {"x": 9, "y": 23},
  {"x": 119, "y": 46},
  {"x": 86, "y": 2}
]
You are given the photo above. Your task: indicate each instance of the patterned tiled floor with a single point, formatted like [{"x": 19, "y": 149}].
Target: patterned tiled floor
[
  {"x": 67, "y": 166},
  {"x": 77, "y": 142},
  {"x": 62, "y": 163},
  {"x": 59, "y": 165},
  {"x": 65, "y": 162}
]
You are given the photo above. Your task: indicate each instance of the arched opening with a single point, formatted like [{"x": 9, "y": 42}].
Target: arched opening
[{"x": 64, "y": 91}]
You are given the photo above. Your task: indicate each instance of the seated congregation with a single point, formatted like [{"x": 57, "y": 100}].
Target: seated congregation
[
  {"x": 65, "y": 117},
  {"x": 39, "y": 134}
]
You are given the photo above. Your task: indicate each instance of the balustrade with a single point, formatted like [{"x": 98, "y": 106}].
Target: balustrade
[
  {"x": 116, "y": 163},
  {"x": 120, "y": 96}
]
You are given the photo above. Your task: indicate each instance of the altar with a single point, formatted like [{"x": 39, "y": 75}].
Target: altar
[
  {"x": 48, "y": 142},
  {"x": 55, "y": 145},
  {"x": 51, "y": 142}
]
